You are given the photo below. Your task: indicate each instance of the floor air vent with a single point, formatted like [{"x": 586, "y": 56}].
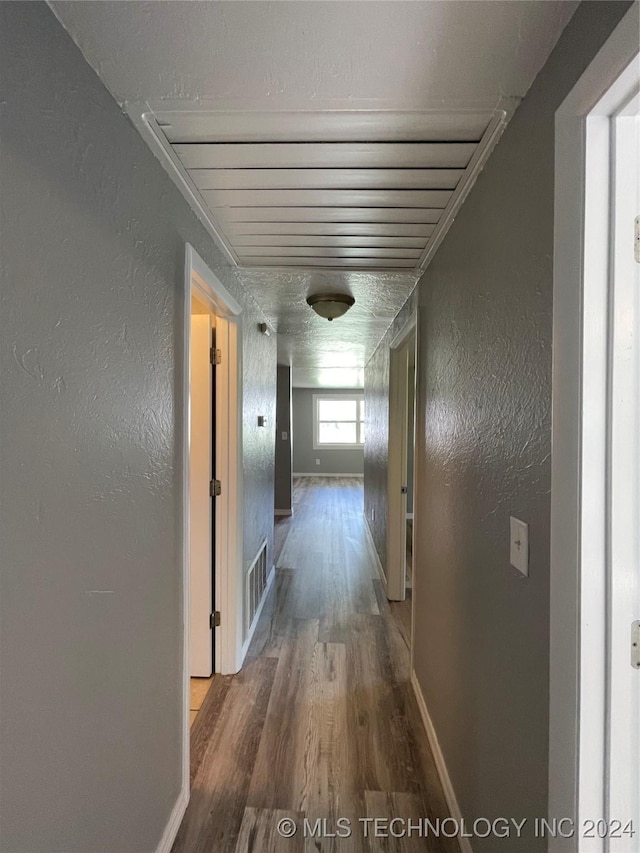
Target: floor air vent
[{"x": 255, "y": 585}]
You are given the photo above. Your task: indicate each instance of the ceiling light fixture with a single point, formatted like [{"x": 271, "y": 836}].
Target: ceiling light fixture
[{"x": 330, "y": 305}]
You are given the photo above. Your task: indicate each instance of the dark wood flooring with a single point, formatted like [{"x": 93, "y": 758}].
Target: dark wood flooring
[{"x": 321, "y": 723}]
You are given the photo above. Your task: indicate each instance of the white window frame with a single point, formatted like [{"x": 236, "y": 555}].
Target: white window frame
[{"x": 317, "y": 444}]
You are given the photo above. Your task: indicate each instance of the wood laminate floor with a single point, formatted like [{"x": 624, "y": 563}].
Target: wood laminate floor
[{"x": 321, "y": 723}]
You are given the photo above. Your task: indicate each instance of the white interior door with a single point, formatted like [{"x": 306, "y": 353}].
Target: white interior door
[
  {"x": 200, "y": 516},
  {"x": 623, "y": 735}
]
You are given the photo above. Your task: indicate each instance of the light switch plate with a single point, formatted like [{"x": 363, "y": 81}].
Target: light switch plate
[
  {"x": 284, "y": 436},
  {"x": 520, "y": 545}
]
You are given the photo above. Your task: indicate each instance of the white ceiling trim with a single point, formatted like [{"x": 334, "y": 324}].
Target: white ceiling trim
[
  {"x": 488, "y": 142},
  {"x": 157, "y": 141}
]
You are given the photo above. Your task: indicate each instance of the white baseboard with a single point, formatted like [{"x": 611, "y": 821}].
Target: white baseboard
[
  {"x": 279, "y": 512},
  {"x": 175, "y": 819},
  {"x": 376, "y": 556},
  {"x": 320, "y": 474},
  {"x": 441, "y": 767},
  {"x": 252, "y": 629}
]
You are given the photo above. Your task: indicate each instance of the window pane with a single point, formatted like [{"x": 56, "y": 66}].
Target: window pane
[
  {"x": 362, "y": 409},
  {"x": 334, "y": 432},
  {"x": 337, "y": 410},
  {"x": 362, "y": 432}
]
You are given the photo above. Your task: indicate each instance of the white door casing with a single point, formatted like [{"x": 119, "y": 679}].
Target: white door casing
[
  {"x": 622, "y": 746},
  {"x": 582, "y": 582},
  {"x": 397, "y": 461},
  {"x": 201, "y": 566},
  {"x": 201, "y": 282}
]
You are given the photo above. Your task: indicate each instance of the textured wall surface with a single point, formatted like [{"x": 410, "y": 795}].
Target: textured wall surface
[
  {"x": 483, "y": 454},
  {"x": 259, "y": 371},
  {"x": 284, "y": 461},
  {"x": 376, "y": 395},
  {"x": 304, "y": 456},
  {"x": 92, "y": 273}
]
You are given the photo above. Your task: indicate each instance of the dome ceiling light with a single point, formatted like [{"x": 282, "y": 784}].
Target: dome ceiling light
[{"x": 330, "y": 305}]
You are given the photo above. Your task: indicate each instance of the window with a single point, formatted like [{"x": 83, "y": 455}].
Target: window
[{"x": 338, "y": 421}]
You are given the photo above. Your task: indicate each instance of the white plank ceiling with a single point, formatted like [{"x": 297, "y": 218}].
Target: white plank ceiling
[
  {"x": 357, "y": 191},
  {"x": 325, "y": 146}
]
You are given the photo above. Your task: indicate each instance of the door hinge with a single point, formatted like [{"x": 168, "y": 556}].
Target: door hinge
[
  {"x": 635, "y": 645},
  {"x": 215, "y": 488},
  {"x": 215, "y": 355},
  {"x": 214, "y": 619}
]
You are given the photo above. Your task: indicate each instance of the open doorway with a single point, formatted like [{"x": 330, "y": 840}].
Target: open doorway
[
  {"x": 400, "y": 477},
  {"x": 212, "y": 493}
]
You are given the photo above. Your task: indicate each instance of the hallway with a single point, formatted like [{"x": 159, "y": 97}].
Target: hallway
[{"x": 321, "y": 722}]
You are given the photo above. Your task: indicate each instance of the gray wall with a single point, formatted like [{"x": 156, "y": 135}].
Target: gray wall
[
  {"x": 376, "y": 392},
  {"x": 483, "y": 454},
  {"x": 284, "y": 450},
  {"x": 304, "y": 456},
  {"x": 92, "y": 268}
]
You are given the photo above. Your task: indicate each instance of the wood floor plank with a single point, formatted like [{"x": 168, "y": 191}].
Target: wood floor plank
[
  {"x": 281, "y": 527},
  {"x": 379, "y": 732},
  {"x": 335, "y": 622},
  {"x": 379, "y": 594},
  {"x": 325, "y": 767},
  {"x": 308, "y": 585},
  {"x": 219, "y": 791},
  {"x": 394, "y": 833},
  {"x": 401, "y": 612},
  {"x": 279, "y": 764},
  {"x": 259, "y": 832},
  {"x": 207, "y": 720},
  {"x": 277, "y": 620}
]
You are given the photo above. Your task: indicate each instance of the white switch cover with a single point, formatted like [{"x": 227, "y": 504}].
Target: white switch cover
[
  {"x": 520, "y": 545},
  {"x": 317, "y": 461},
  {"x": 284, "y": 436}
]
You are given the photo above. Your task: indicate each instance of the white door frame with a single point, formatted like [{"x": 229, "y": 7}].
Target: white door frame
[
  {"x": 579, "y": 422},
  {"x": 205, "y": 286},
  {"x": 396, "y": 463},
  {"x": 201, "y": 471}
]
